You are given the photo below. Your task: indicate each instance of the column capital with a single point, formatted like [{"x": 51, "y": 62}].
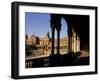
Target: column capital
[{"x": 58, "y": 27}]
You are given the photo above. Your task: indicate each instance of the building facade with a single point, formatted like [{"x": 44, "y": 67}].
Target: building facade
[{"x": 43, "y": 45}]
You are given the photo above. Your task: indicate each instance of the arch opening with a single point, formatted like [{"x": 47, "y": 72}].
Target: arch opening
[{"x": 63, "y": 37}]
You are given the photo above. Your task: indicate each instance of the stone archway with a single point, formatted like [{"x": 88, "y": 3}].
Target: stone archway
[{"x": 55, "y": 24}]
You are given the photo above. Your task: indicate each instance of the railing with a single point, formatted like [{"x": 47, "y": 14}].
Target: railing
[{"x": 68, "y": 59}]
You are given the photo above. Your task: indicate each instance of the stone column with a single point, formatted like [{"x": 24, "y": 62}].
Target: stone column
[
  {"x": 55, "y": 23},
  {"x": 53, "y": 35},
  {"x": 76, "y": 43},
  {"x": 58, "y": 41}
]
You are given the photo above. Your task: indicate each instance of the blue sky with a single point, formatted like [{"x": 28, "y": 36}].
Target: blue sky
[{"x": 39, "y": 24}]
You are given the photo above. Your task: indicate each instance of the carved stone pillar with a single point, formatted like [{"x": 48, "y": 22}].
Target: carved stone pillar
[
  {"x": 53, "y": 35},
  {"x": 58, "y": 41},
  {"x": 55, "y": 23}
]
